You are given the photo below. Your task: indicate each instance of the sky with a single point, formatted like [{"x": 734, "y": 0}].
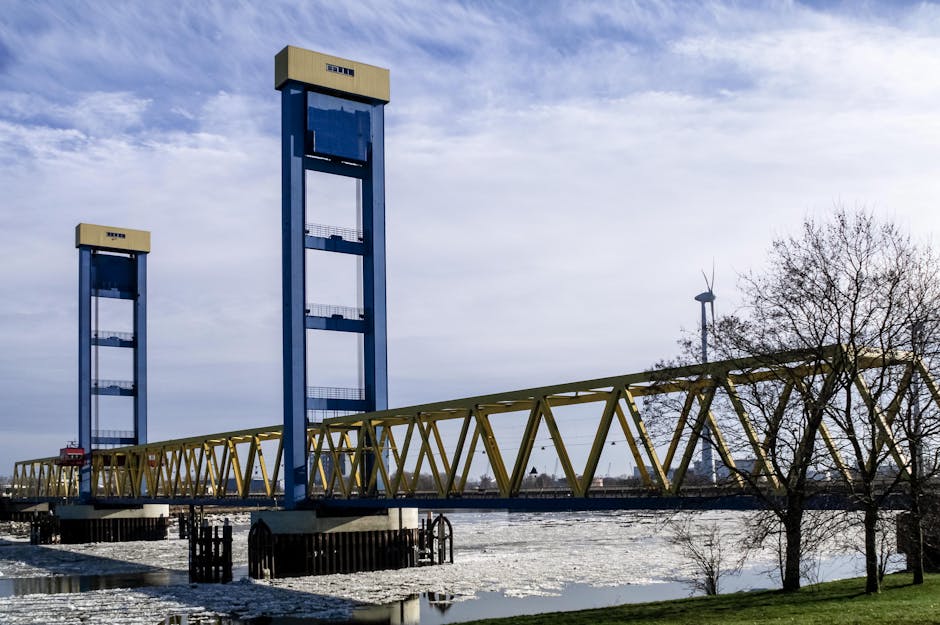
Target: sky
[{"x": 558, "y": 175}]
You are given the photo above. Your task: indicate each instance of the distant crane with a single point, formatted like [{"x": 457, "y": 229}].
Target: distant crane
[{"x": 707, "y": 469}]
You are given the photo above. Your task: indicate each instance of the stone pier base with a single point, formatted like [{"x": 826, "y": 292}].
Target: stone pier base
[{"x": 292, "y": 543}]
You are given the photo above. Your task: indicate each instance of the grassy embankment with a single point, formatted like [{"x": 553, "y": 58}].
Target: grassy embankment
[{"x": 834, "y": 603}]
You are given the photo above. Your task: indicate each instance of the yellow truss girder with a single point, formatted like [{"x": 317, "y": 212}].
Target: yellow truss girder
[{"x": 228, "y": 464}]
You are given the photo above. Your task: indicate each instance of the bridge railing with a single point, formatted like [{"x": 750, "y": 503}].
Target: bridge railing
[
  {"x": 122, "y": 384},
  {"x": 347, "y": 234},
  {"x": 334, "y": 311},
  {"x": 336, "y": 392},
  {"x": 112, "y": 334},
  {"x": 654, "y": 420}
]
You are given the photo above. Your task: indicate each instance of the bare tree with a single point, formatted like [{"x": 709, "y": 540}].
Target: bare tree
[
  {"x": 708, "y": 548},
  {"x": 918, "y": 429},
  {"x": 861, "y": 284},
  {"x": 885, "y": 540},
  {"x": 846, "y": 294},
  {"x": 784, "y": 411},
  {"x": 821, "y": 530}
]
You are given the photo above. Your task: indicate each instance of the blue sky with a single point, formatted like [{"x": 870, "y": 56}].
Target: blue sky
[{"x": 558, "y": 173}]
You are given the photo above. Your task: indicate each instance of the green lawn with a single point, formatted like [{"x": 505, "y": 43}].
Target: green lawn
[{"x": 834, "y": 603}]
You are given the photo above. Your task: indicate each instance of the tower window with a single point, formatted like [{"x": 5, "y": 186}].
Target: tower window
[{"x": 338, "y": 69}]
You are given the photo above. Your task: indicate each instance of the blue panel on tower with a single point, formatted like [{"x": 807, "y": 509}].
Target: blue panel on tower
[
  {"x": 110, "y": 272},
  {"x": 339, "y": 128}
]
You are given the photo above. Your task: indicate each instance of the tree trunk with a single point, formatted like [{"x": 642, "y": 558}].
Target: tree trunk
[
  {"x": 793, "y": 528},
  {"x": 917, "y": 549},
  {"x": 915, "y": 558},
  {"x": 872, "y": 584}
]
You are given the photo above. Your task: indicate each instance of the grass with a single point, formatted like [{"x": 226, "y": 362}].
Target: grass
[{"x": 842, "y": 602}]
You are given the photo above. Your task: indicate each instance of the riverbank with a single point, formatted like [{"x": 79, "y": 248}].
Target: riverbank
[{"x": 841, "y": 602}]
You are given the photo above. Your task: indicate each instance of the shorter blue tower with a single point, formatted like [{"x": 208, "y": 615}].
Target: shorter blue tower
[{"x": 112, "y": 263}]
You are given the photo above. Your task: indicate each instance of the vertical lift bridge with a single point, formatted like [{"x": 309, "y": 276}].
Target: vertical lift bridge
[
  {"x": 112, "y": 263},
  {"x": 332, "y": 121}
]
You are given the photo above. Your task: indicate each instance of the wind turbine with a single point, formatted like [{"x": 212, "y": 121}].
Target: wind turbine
[{"x": 707, "y": 297}]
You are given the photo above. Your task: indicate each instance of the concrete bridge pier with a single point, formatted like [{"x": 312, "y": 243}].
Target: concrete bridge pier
[
  {"x": 21, "y": 511},
  {"x": 291, "y": 543},
  {"x": 88, "y": 523}
]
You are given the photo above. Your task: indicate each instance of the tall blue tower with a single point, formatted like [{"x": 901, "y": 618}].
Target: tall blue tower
[
  {"x": 332, "y": 121},
  {"x": 112, "y": 263}
]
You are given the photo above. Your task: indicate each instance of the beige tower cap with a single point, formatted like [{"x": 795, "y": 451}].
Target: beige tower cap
[
  {"x": 331, "y": 73},
  {"x": 111, "y": 238}
]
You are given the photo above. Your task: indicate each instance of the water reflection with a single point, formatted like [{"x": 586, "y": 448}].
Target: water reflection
[
  {"x": 85, "y": 583},
  {"x": 406, "y": 612},
  {"x": 434, "y": 608},
  {"x": 183, "y": 619},
  {"x": 440, "y": 601}
]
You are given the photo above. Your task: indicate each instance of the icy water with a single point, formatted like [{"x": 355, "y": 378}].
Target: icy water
[{"x": 505, "y": 564}]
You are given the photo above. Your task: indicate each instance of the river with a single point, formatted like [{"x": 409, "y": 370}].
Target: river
[{"x": 505, "y": 564}]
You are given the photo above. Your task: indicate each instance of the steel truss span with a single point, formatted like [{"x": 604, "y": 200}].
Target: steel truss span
[{"x": 435, "y": 450}]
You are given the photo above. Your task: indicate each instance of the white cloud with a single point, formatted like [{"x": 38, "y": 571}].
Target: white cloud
[{"x": 106, "y": 113}]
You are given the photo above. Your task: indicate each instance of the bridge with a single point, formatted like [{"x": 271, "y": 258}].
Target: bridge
[
  {"x": 332, "y": 114},
  {"x": 429, "y": 453},
  {"x": 773, "y": 420}
]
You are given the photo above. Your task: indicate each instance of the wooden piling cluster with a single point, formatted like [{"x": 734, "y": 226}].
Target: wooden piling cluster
[
  {"x": 79, "y": 531},
  {"x": 43, "y": 530},
  {"x": 48, "y": 529},
  {"x": 185, "y": 522},
  {"x": 210, "y": 555}
]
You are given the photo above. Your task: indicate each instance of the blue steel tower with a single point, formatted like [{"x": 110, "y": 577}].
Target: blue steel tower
[
  {"x": 112, "y": 263},
  {"x": 332, "y": 121}
]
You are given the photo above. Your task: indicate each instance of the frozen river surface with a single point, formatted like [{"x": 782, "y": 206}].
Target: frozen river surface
[{"x": 573, "y": 560}]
